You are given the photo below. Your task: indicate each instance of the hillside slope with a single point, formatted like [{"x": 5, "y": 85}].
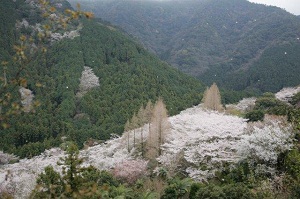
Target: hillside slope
[
  {"x": 235, "y": 43},
  {"x": 199, "y": 144},
  {"x": 128, "y": 77}
]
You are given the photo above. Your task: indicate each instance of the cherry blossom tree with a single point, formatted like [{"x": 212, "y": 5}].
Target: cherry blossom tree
[
  {"x": 262, "y": 142},
  {"x": 130, "y": 170},
  {"x": 88, "y": 81}
]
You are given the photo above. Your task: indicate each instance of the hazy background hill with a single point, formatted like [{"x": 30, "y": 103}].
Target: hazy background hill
[
  {"x": 236, "y": 43},
  {"x": 128, "y": 75}
]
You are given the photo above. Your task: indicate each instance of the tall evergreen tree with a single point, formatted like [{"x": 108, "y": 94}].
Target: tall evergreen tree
[{"x": 71, "y": 169}]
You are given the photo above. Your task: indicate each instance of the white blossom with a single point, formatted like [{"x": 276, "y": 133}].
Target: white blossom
[
  {"x": 286, "y": 94},
  {"x": 245, "y": 104},
  {"x": 88, "y": 81},
  {"x": 6, "y": 158},
  {"x": 264, "y": 142},
  {"x": 199, "y": 143},
  {"x": 26, "y": 99},
  {"x": 24, "y": 23},
  {"x": 206, "y": 138},
  {"x": 59, "y": 36}
]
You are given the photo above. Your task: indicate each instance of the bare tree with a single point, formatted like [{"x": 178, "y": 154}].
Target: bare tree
[
  {"x": 126, "y": 130},
  {"x": 148, "y": 113},
  {"x": 142, "y": 120},
  {"x": 134, "y": 125},
  {"x": 212, "y": 98},
  {"x": 159, "y": 128}
]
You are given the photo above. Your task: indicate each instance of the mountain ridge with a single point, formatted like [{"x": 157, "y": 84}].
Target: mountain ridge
[{"x": 205, "y": 37}]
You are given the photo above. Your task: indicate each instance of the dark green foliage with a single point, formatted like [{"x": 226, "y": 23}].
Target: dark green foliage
[
  {"x": 129, "y": 77},
  {"x": 92, "y": 175},
  {"x": 77, "y": 181},
  {"x": 229, "y": 96},
  {"x": 268, "y": 104},
  {"x": 255, "y": 115},
  {"x": 294, "y": 117},
  {"x": 292, "y": 168},
  {"x": 292, "y": 163},
  {"x": 71, "y": 168},
  {"x": 271, "y": 72},
  {"x": 296, "y": 100},
  {"x": 239, "y": 174},
  {"x": 194, "y": 188},
  {"x": 7, "y": 24},
  {"x": 50, "y": 184},
  {"x": 234, "y": 43},
  {"x": 177, "y": 188},
  {"x": 230, "y": 191},
  {"x": 295, "y": 191}
]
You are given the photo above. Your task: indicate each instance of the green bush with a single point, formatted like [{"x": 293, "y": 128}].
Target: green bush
[
  {"x": 292, "y": 163},
  {"x": 230, "y": 191},
  {"x": 255, "y": 115}
]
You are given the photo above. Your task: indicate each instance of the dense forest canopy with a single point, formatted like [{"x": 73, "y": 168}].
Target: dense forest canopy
[{"x": 128, "y": 76}]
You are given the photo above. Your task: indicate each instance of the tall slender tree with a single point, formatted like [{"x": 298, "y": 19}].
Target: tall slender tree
[
  {"x": 160, "y": 126},
  {"x": 212, "y": 98},
  {"x": 148, "y": 113},
  {"x": 134, "y": 126},
  {"x": 142, "y": 120},
  {"x": 126, "y": 130},
  {"x": 72, "y": 169}
]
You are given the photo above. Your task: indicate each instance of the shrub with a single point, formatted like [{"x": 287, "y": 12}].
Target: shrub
[
  {"x": 255, "y": 115},
  {"x": 230, "y": 191}
]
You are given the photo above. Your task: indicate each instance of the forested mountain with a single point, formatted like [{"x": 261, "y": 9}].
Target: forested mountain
[
  {"x": 128, "y": 77},
  {"x": 67, "y": 80},
  {"x": 235, "y": 43}
]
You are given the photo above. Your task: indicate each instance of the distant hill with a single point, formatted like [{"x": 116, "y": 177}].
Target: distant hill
[
  {"x": 128, "y": 75},
  {"x": 238, "y": 44}
]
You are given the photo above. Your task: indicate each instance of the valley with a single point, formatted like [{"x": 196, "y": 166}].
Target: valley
[{"x": 148, "y": 99}]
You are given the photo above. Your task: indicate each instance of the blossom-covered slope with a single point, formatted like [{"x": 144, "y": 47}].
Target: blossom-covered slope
[
  {"x": 198, "y": 143},
  {"x": 203, "y": 138},
  {"x": 286, "y": 93}
]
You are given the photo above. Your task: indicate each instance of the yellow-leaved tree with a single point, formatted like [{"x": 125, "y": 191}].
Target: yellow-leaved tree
[{"x": 212, "y": 98}]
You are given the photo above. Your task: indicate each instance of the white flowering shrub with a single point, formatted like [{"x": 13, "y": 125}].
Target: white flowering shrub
[
  {"x": 264, "y": 141},
  {"x": 106, "y": 155},
  {"x": 88, "y": 81},
  {"x": 199, "y": 144},
  {"x": 244, "y": 105},
  {"x": 26, "y": 99},
  {"x": 286, "y": 94},
  {"x": 207, "y": 140},
  {"x": 211, "y": 140},
  {"x": 130, "y": 170},
  {"x": 19, "y": 179},
  {"x": 7, "y": 158}
]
